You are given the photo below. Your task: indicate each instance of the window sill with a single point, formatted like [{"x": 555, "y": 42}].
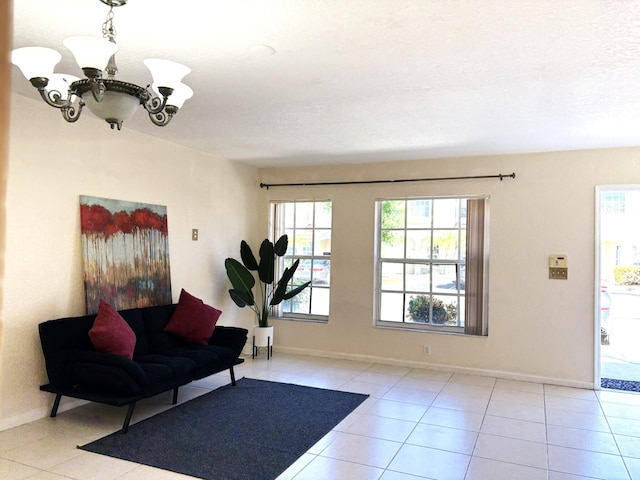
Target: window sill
[
  {"x": 458, "y": 331},
  {"x": 304, "y": 320}
]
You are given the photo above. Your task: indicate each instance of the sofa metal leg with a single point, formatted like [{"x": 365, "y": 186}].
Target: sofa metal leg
[
  {"x": 127, "y": 419},
  {"x": 233, "y": 376},
  {"x": 175, "y": 396},
  {"x": 56, "y": 404}
]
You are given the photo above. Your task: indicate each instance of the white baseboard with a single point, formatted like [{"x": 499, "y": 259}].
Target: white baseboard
[
  {"x": 38, "y": 413},
  {"x": 438, "y": 367}
]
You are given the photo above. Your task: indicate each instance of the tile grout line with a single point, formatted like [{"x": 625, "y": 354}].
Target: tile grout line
[
  {"x": 412, "y": 430},
  {"x": 546, "y": 429},
  {"x": 484, "y": 417},
  {"x": 606, "y": 417}
]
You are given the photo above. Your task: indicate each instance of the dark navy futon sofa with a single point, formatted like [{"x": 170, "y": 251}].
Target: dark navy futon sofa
[{"x": 161, "y": 361}]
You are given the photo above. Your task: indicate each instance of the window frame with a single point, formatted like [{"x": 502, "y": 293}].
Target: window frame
[
  {"x": 276, "y": 228},
  {"x": 461, "y": 294}
]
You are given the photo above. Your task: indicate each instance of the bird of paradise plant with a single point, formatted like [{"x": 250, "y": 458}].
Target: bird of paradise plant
[{"x": 271, "y": 293}]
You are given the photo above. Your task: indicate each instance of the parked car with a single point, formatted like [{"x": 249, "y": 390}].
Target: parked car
[{"x": 321, "y": 272}]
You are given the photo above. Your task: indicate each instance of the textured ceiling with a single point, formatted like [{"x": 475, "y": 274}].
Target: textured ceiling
[{"x": 371, "y": 80}]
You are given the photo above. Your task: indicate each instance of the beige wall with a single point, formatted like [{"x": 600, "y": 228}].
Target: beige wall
[
  {"x": 5, "y": 81},
  {"x": 51, "y": 163},
  {"x": 539, "y": 329}
]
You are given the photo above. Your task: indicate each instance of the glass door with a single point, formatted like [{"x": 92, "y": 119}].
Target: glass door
[{"x": 618, "y": 286}]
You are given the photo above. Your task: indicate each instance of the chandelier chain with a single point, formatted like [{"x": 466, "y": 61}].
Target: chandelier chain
[{"x": 108, "y": 28}]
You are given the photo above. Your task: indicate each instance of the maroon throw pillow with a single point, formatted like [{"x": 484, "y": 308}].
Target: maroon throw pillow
[
  {"x": 110, "y": 332},
  {"x": 193, "y": 320}
]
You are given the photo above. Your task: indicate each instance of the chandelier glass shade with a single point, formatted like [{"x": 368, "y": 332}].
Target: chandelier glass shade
[{"x": 108, "y": 98}]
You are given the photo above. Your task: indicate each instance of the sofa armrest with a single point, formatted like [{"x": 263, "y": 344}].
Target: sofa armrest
[
  {"x": 107, "y": 372},
  {"x": 232, "y": 337}
]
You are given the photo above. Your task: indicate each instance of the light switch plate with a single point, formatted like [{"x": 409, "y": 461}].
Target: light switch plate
[{"x": 557, "y": 273}]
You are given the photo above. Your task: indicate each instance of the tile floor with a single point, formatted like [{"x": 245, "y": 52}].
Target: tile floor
[{"x": 416, "y": 424}]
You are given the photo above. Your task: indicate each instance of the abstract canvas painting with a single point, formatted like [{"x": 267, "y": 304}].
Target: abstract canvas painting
[{"x": 125, "y": 249}]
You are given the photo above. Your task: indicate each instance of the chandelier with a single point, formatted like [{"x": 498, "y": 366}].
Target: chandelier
[{"x": 107, "y": 98}]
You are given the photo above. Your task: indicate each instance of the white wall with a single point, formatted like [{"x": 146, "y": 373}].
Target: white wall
[
  {"x": 539, "y": 329},
  {"x": 52, "y": 163}
]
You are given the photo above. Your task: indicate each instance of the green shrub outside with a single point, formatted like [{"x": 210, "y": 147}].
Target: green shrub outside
[
  {"x": 627, "y": 275},
  {"x": 419, "y": 310}
]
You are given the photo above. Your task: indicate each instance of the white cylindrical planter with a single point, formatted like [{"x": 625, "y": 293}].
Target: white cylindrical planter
[{"x": 263, "y": 337}]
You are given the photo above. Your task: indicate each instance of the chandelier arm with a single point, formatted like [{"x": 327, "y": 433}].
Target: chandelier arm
[
  {"x": 53, "y": 98},
  {"x": 160, "y": 118},
  {"x": 154, "y": 105},
  {"x": 71, "y": 113}
]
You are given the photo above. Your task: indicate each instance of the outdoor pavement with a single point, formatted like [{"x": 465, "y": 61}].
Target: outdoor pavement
[{"x": 621, "y": 359}]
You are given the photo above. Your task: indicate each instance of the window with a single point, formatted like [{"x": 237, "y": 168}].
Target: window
[
  {"x": 430, "y": 264},
  {"x": 308, "y": 226}
]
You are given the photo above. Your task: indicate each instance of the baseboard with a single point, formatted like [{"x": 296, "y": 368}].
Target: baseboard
[
  {"x": 38, "y": 414},
  {"x": 438, "y": 367}
]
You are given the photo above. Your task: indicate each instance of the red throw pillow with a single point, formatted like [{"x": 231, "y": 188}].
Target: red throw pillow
[
  {"x": 193, "y": 320},
  {"x": 110, "y": 332}
]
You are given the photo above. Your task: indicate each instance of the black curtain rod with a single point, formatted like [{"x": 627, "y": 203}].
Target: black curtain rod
[{"x": 501, "y": 176}]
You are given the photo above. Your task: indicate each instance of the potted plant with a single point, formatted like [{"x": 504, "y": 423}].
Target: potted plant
[{"x": 271, "y": 292}]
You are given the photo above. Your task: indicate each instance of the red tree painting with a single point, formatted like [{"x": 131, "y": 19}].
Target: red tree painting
[{"x": 125, "y": 248}]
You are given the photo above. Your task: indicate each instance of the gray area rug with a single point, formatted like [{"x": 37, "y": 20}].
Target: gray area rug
[{"x": 253, "y": 431}]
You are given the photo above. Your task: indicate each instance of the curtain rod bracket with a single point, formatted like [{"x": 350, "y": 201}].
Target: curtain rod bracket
[{"x": 502, "y": 177}]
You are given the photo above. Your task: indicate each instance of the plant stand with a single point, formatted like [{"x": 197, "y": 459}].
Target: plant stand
[{"x": 262, "y": 337}]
